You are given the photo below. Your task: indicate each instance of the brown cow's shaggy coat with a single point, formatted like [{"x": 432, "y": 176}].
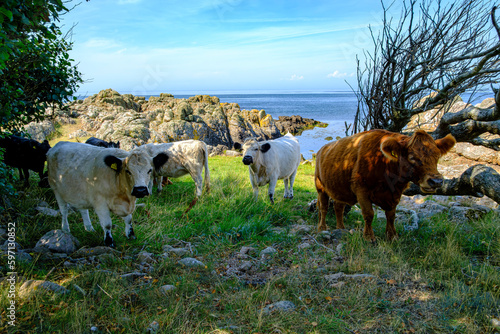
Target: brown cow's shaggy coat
[{"x": 375, "y": 167}]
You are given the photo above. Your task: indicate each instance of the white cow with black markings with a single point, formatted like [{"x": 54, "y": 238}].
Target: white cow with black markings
[
  {"x": 271, "y": 160},
  {"x": 104, "y": 179},
  {"x": 183, "y": 157}
]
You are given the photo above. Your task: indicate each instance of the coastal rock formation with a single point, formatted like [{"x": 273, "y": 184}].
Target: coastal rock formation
[
  {"x": 134, "y": 121},
  {"x": 296, "y": 124}
]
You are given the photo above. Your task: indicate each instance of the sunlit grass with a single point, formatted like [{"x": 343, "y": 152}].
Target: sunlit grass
[{"x": 441, "y": 278}]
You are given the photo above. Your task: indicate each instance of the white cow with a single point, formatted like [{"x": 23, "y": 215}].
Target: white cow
[
  {"x": 104, "y": 179},
  {"x": 270, "y": 161},
  {"x": 184, "y": 157}
]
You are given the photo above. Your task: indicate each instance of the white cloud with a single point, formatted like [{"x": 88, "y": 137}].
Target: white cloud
[
  {"x": 296, "y": 77},
  {"x": 338, "y": 74}
]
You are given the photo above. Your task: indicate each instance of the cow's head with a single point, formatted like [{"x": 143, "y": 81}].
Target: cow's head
[
  {"x": 252, "y": 149},
  {"x": 418, "y": 157},
  {"x": 137, "y": 169},
  {"x": 44, "y": 146}
]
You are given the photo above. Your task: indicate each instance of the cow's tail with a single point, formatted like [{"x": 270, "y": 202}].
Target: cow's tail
[{"x": 207, "y": 172}]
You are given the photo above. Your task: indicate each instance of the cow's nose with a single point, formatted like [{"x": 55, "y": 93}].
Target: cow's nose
[
  {"x": 435, "y": 182},
  {"x": 140, "y": 192},
  {"x": 247, "y": 160}
]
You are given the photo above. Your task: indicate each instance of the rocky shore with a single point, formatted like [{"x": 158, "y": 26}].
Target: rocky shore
[{"x": 135, "y": 121}]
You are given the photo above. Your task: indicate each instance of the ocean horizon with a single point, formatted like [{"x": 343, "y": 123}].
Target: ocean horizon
[{"x": 336, "y": 108}]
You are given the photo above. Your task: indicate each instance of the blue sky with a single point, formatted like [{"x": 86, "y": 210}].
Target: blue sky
[{"x": 147, "y": 47}]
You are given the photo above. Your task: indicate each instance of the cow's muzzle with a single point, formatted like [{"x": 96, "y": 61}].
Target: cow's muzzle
[
  {"x": 140, "y": 192},
  {"x": 247, "y": 160},
  {"x": 431, "y": 183}
]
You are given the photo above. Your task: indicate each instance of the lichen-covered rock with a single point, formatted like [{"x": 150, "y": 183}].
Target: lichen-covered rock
[{"x": 133, "y": 120}]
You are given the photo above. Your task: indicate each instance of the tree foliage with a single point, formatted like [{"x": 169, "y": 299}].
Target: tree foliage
[
  {"x": 35, "y": 68},
  {"x": 436, "y": 47}
]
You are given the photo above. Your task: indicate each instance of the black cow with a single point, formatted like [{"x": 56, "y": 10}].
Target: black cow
[
  {"x": 101, "y": 143},
  {"x": 25, "y": 154}
]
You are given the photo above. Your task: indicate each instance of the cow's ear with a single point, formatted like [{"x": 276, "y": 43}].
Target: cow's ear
[
  {"x": 114, "y": 163},
  {"x": 160, "y": 160},
  {"x": 265, "y": 147},
  {"x": 391, "y": 148},
  {"x": 237, "y": 146},
  {"x": 445, "y": 144}
]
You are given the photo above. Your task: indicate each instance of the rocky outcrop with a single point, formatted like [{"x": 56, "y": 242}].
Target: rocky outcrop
[
  {"x": 134, "y": 121},
  {"x": 296, "y": 124}
]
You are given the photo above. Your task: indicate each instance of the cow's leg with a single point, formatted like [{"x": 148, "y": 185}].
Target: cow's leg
[
  {"x": 339, "y": 214},
  {"x": 86, "y": 220},
  {"x": 272, "y": 187},
  {"x": 285, "y": 181},
  {"x": 24, "y": 175},
  {"x": 198, "y": 181},
  {"x": 321, "y": 205},
  {"x": 367, "y": 211},
  {"x": 159, "y": 181},
  {"x": 390, "y": 230},
  {"x": 129, "y": 230},
  {"x": 292, "y": 181},
  {"x": 63, "y": 209},
  {"x": 106, "y": 224},
  {"x": 255, "y": 187}
]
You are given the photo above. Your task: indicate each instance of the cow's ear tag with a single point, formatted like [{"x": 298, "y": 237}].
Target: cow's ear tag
[
  {"x": 394, "y": 154},
  {"x": 114, "y": 166}
]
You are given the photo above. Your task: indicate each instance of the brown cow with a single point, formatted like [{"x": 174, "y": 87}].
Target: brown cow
[{"x": 375, "y": 167}]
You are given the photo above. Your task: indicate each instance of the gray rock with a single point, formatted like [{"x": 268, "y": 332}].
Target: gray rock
[
  {"x": 248, "y": 250},
  {"x": 132, "y": 276},
  {"x": 304, "y": 245},
  {"x": 32, "y": 287},
  {"x": 281, "y": 306},
  {"x": 177, "y": 251},
  {"x": 165, "y": 289},
  {"x": 245, "y": 266},
  {"x": 57, "y": 241},
  {"x": 23, "y": 256},
  {"x": 268, "y": 251},
  {"x": 300, "y": 229},
  {"x": 191, "y": 263},
  {"x": 462, "y": 215},
  {"x": 145, "y": 257},
  {"x": 47, "y": 211},
  {"x": 334, "y": 278},
  {"x": 94, "y": 251},
  {"x": 7, "y": 245}
]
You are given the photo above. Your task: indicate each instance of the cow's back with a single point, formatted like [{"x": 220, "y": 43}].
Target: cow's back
[
  {"x": 283, "y": 157},
  {"x": 78, "y": 172},
  {"x": 351, "y": 163}
]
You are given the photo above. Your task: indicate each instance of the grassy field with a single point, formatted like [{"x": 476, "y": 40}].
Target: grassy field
[{"x": 441, "y": 278}]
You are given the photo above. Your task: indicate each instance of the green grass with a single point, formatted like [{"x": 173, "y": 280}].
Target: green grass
[{"x": 441, "y": 278}]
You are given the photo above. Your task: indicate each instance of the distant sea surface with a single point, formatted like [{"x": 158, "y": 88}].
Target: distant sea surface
[{"x": 333, "y": 108}]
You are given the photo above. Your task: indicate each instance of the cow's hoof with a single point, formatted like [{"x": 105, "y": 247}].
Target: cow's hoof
[
  {"x": 109, "y": 242},
  {"x": 131, "y": 234},
  {"x": 271, "y": 198},
  {"x": 89, "y": 228}
]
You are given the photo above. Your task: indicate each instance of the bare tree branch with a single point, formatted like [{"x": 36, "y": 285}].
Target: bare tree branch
[{"x": 477, "y": 181}]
